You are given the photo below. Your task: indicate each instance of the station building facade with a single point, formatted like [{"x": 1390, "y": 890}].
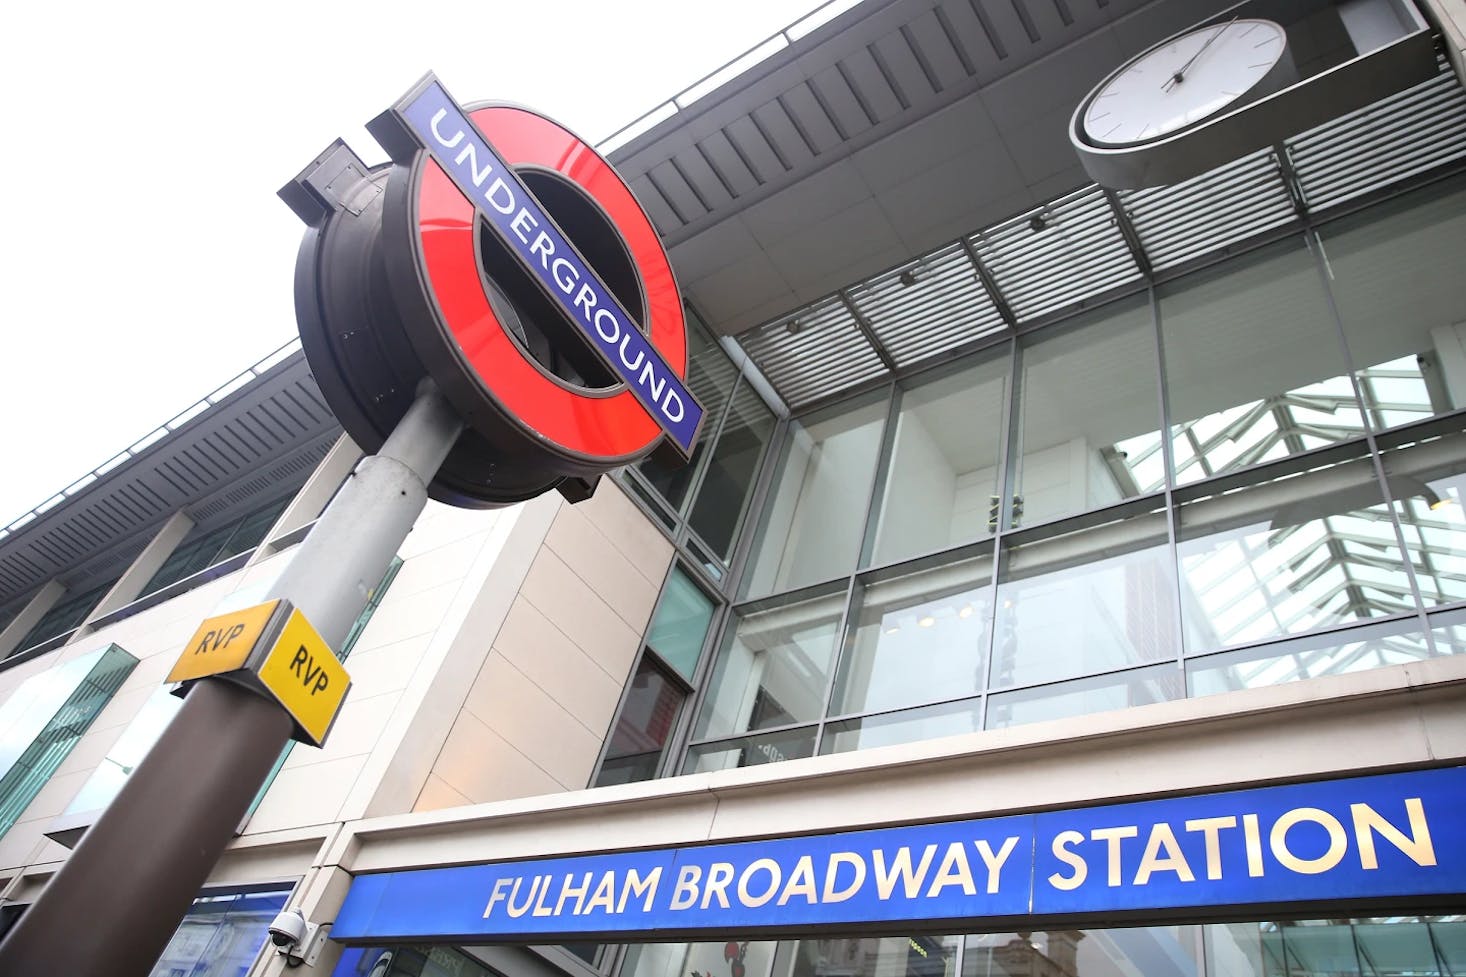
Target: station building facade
[{"x": 1017, "y": 494}]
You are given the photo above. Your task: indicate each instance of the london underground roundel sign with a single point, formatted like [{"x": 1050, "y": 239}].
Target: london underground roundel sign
[{"x": 501, "y": 257}]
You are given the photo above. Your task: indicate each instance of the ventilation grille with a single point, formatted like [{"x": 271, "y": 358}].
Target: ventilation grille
[
  {"x": 815, "y": 353},
  {"x": 1057, "y": 255},
  {"x": 1399, "y": 137},
  {"x": 929, "y": 307}
]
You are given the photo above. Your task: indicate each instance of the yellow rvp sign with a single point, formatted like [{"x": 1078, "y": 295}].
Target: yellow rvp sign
[
  {"x": 272, "y": 649},
  {"x": 303, "y": 675},
  {"x": 223, "y": 643}
]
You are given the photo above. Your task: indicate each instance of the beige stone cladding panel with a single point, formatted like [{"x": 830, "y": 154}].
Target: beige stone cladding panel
[
  {"x": 542, "y": 703},
  {"x": 402, "y": 665}
]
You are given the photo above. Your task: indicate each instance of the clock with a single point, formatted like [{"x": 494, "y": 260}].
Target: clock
[
  {"x": 1227, "y": 87},
  {"x": 1184, "y": 80}
]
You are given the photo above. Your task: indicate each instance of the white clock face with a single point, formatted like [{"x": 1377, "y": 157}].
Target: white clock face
[{"x": 1185, "y": 80}]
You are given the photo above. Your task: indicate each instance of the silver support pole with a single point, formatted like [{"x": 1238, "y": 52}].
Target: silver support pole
[{"x": 118, "y": 899}]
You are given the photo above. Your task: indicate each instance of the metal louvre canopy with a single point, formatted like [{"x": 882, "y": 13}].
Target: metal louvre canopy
[
  {"x": 1064, "y": 256},
  {"x": 266, "y": 427}
]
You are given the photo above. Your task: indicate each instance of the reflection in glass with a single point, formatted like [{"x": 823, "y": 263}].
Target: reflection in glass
[
  {"x": 1254, "y": 367},
  {"x": 46, "y": 716},
  {"x": 1083, "y": 953},
  {"x": 907, "y": 726},
  {"x": 918, "y": 638},
  {"x": 813, "y": 527},
  {"x": 107, "y": 780},
  {"x": 222, "y": 934},
  {"x": 1334, "y": 653},
  {"x": 717, "y": 513},
  {"x": 642, "y": 728},
  {"x": 774, "y": 669},
  {"x": 1400, "y": 293},
  {"x": 714, "y": 959},
  {"x": 1081, "y": 697},
  {"x": 751, "y": 751},
  {"x": 944, "y": 464},
  {"x": 1089, "y": 601},
  {"x": 1428, "y": 481},
  {"x": 1289, "y": 556},
  {"x": 1085, "y": 395}
]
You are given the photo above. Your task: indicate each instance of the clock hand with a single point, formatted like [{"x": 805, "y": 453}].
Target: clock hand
[{"x": 1180, "y": 74}]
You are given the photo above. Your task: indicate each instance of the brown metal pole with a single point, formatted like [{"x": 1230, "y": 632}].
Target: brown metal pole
[
  {"x": 117, "y": 900},
  {"x": 230, "y": 739}
]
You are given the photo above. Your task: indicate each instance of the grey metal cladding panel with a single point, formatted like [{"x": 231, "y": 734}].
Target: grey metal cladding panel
[
  {"x": 732, "y": 166},
  {"x": 845, "y": 107},
  {"x": 978, "y": 43},
  {"x": 933, "y": 47},
  {"x": 810, "y": 118},
  {"x": 911, "y": 81},
  {"x": 754, "y": 148},
  {"x": 872, "y": 85},
  {"x": 776, "y": 125},
  {"x": 1409, "y": 133},
  {"x": 682, "y": 197},
  {"x": 656, "y": 205},
  {"x": 1208, "y": 212},
  {"x": 712, "y": 189}
]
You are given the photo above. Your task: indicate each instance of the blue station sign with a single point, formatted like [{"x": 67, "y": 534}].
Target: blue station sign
[{"x": 1363, "y": 841}]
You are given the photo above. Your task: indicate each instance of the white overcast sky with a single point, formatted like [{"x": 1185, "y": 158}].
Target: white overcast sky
[{"x": 144, "y": 257}]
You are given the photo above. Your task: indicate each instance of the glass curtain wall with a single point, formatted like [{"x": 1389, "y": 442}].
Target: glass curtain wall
[
  {"x": 1409, "y": 946},
  {"x": 1247, "y": 475},
  {"x": 703, "y": 503}
]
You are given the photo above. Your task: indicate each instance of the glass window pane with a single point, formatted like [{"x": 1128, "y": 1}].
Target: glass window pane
[
  {"x": 1150, "y": 951},
  {"x": 1084, "y": 602},
  {"x": 944, "y": 463},
  {"x": 918, "y": 638},
  {"x": 1335, "y": 653},
  {"x": 1086, "y": 394},
  {"x": 813, "y": 526},
  {"x": 870, "y": 956},
  {"x": 750, "y": 751},
  {"x": 46, "y": 716},
  {"x": 1450, "y": 939},
  {"x": 1288, "y": 556},
  {"x": 681, "y": 626},
  {"x": 1397, "y": 282},
  {"x": 1242, "y": 950},
  {"x": 222, "y": 934},
  {"x": 1101, "y": 693},
  {"x": 718, "y": 510},
  {"x": 908, "y": 726},
  {"x": 710, "y": 376},
  {"x": 1254, "y": 366},
  {"x": 642, "y": 729},
  {"x": 66, "y": 615},
  {"x": 712, "y": 959},
  {"x": 774, "y": 669}
]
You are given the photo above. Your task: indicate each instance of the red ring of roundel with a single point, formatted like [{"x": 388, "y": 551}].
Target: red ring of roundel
[{"x": 609, "y": 427}]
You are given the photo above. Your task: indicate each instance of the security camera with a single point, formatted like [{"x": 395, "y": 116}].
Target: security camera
[
  {"x": 298, "y": 941},
  {"x": 288, "y": 929}
]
